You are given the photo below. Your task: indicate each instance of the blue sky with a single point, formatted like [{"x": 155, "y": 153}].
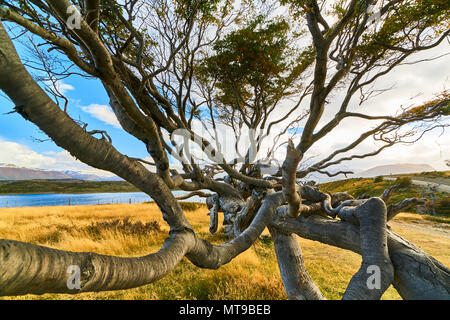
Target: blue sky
[
  {"x": 88, "y": 102},
  {"x": 83, "y": 94}
]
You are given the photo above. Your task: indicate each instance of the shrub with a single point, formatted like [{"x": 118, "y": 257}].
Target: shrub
[
  {"x": 403, "y": 182},
  {"x": 190, "y": 206},
  {"x": 378, "y": 179},
  {"x": 124, "y": 226},
  {"x": 443, "y": 207}
]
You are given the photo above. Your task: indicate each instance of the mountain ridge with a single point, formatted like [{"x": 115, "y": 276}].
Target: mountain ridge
[
  {"x": 13, "y": 172},
  {"x": 399, "y": 168}
]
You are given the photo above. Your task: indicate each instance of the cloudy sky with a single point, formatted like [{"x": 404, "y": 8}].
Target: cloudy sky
[
  {"x": 89, "y": 103},
  {"x": 412, "y": 85}
]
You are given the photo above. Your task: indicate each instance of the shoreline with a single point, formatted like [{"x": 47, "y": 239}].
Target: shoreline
[{"x": 28, "y": 193}]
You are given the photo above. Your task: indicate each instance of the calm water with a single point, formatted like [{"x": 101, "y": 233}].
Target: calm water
[{"x": 57, "y": 199}]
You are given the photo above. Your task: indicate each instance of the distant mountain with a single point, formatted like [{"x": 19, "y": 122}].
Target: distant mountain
[
  {"x": 399, "y": 168},
  {"x": 8, "y": 165},
  {"x": 113, "y": 178},
  {"x": 12, "y": 172},
  {"x": 90, "y": 177},
  {"x": 82, "y": 176}
]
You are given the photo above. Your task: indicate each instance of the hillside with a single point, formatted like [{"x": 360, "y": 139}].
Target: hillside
[
  {"x": 442, "y": 177},
  {"x": 400, "y": 168},
  {"x": 64, "y": 186},
  {"x": 359, "y": 186},
  {"x": 12, "y": 172}
]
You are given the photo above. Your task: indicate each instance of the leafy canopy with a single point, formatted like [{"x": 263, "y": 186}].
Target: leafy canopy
[{"x": 255, "y": 66}]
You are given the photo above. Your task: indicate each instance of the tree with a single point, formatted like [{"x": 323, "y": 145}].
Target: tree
[{"x": 168, "y": 65}]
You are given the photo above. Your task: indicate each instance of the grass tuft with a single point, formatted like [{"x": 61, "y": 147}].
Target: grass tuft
[
  {"x": 190, "y": 206},
  {"x": 124, "y": 226}
]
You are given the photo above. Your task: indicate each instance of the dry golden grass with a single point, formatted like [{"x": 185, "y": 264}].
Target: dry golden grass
[{"x": 252, "y": 275}]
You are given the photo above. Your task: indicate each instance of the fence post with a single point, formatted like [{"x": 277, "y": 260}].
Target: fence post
[{"x": 70, "y": 201}]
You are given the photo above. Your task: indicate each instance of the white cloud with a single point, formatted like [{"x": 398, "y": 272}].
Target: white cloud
[
  {"x": 61, "y": 86},
  {"x": 414, "y": 84},
  {"x": 102, "y": 113},
  {"x": 23, "y": 156},
  {"x": 64, "y": 87}
]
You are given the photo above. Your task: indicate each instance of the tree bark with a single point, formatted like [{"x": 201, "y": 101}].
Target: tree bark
[
  {"x": 417, "y": 275},
  {"x": 371, "y": 217},
  {"x": 296, "y": 279},
  {"x": 27, "y": 268}
]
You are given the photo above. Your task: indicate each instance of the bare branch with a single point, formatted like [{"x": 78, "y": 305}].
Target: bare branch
[
  {"x": 394, "y": 209},
  {"x": 197, "y": 193}
]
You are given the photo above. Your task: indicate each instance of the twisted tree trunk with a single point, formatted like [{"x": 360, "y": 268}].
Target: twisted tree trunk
[
  {"x": 417, "y": 275},
  {"x": 296, "y": 280}
]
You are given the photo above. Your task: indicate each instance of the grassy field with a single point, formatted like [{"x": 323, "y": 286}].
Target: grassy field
[
  {"x": 66, "y": 186},
  {"x": 138, "y": 229}
]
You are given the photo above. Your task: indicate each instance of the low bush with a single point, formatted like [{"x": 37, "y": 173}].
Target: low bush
[
  {"x": 190, "y": 206},
  {"x": 404, "y": 182},
  {"x": 124, "y": 226},
  {"x": 378, "y": 179}
]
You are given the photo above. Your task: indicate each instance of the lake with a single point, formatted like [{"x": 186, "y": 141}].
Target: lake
[{"x": 58, "y": 199}]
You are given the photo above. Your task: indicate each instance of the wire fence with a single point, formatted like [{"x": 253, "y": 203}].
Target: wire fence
[{"x": 11, "y": 203}]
